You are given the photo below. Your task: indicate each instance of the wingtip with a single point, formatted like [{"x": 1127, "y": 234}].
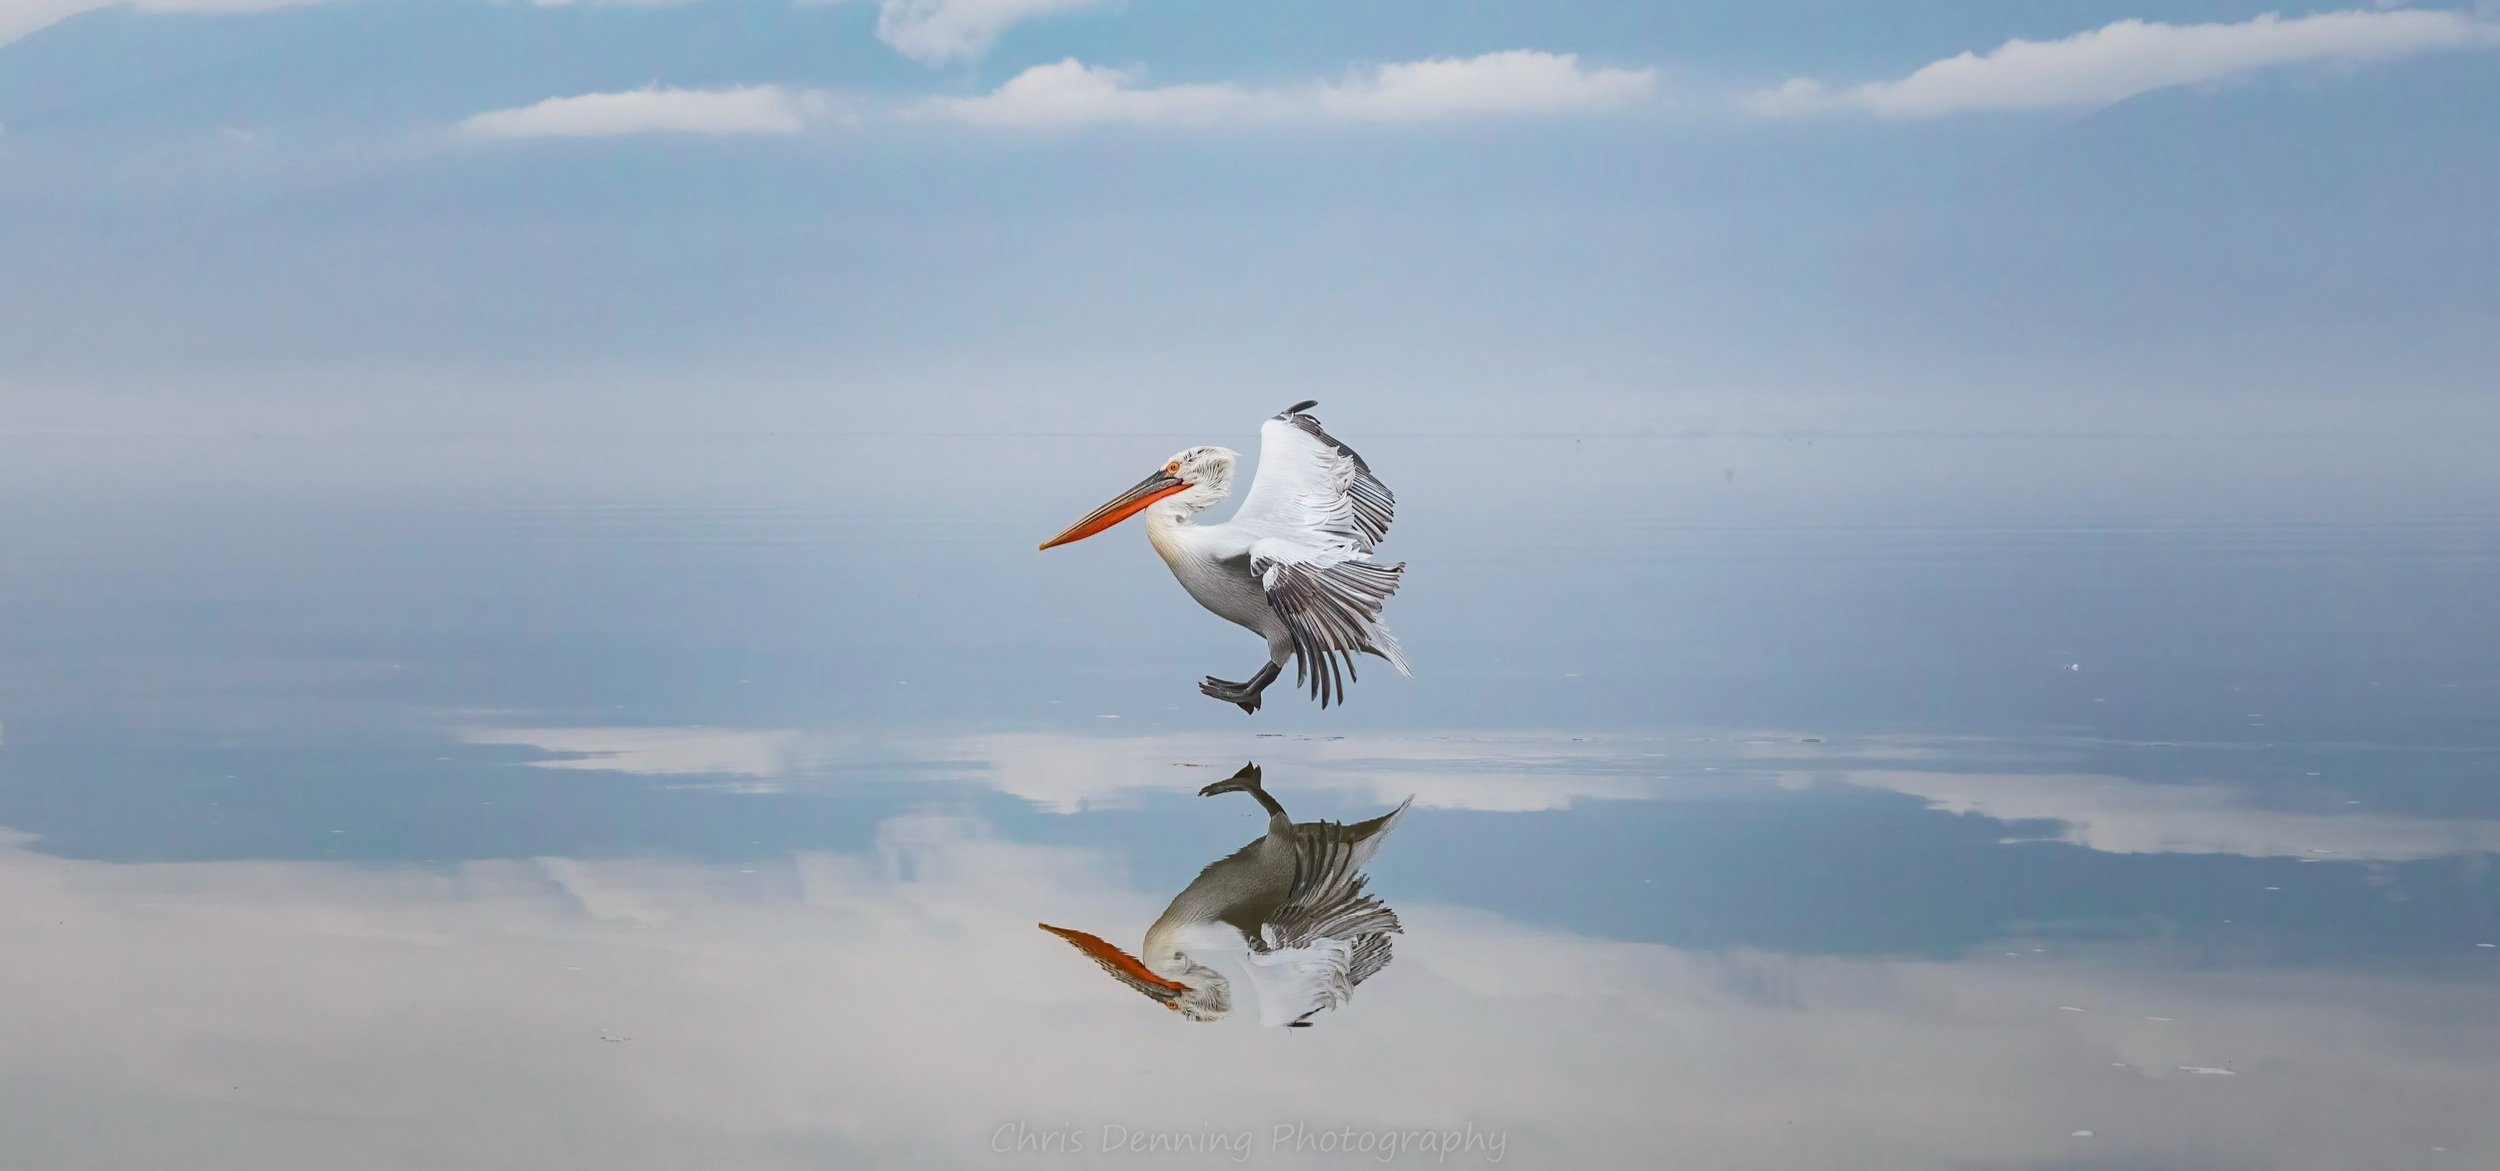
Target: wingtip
[
  {"x": 1389, "y": 821},
  {"x": 1297, "y": 408},
  {"x": 1385, "y": 645}
]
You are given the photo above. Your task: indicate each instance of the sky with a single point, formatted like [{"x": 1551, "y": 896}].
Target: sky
[{"x": 1088, "y": 215}]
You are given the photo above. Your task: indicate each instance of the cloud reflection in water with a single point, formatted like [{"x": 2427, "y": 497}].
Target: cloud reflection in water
[{"x": 815, "y": 1012}]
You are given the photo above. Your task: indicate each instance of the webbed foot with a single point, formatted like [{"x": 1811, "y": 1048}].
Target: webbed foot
[
  {"x": 1240, "y": 694},
  {"x": 1245, "y": 781}
]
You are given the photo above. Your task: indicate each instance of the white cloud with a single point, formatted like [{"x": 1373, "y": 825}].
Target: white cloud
[
  {"x": 1065, "y": 773},
  {"x": 20, "y": 17},
  {"x": 2118, "y": 816},
  {"x": 934, "y": 32},
  {"x": 1061, "y": 772},
  {"x": 655, "y": 751},
  {"x": 814, "y": 1010},
  {"x": 1520, "y": 81},
  {"x": 2131, "y": 57},
  {"x": 1072, "y": 93},
  {"x": 754, "y": 109},
  {"x": 1517, "y": 82}
]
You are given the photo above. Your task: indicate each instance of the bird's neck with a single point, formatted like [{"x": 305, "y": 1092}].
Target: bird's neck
[
  {"x": 1161, "y": 949},
  {"x": 1167, "y": 529}
]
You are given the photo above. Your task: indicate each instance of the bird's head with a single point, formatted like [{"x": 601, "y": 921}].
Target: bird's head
[
  {"x": 1194, "y": 478},
  {"x": 1174, "y": 981}
]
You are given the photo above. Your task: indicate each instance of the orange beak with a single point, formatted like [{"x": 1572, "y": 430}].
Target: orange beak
[
  {"x": 1121, "y": 507},
  {"x": 1125, "y": 968}
]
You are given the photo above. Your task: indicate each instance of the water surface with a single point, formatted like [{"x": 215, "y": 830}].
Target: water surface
[{"x": 1798, "y": 801}]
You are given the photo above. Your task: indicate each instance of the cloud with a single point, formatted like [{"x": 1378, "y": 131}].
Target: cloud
[
  {"x": 1061, "y": 772},
  {"x": 2121, "y": 60},
  {"x": 1520, "y": 82},
  {"x": 934, "y": 32},
  {"x": 20, "y": 17},
  {"x": 1066, "y": 773},
  {"x": 814, "y": 1010},
  {"x": 655, "y": 751},
  {"x": 2118, "y": 816},
  {"x": 1072, "y": 93},
  {"x": 754, "y": 109}
]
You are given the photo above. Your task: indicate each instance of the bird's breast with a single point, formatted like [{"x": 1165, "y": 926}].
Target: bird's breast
[{"x": 1223, "y": 584}]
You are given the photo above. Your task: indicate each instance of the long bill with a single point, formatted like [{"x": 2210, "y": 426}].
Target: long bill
[
  {"x": 1121, "y": 507},
  {"x": 1125, "y": 968}
]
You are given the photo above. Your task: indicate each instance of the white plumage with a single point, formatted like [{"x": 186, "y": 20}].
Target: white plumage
[
  {"x": 1294, "y": 564},
  {"x": 1290, "y": 906}
]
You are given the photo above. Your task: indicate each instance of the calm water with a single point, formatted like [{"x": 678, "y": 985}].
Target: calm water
[{"x": 1851, "y": 802}]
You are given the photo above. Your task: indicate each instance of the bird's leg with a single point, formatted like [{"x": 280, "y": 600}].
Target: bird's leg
[
  {"x": 1247, "y": 781},
  {"x": 1244, "y": 694}
]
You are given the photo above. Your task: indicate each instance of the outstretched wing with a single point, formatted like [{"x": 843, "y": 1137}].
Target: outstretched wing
[
  {"x": 1327, "y": 936},
  {"x": 1311, "y": 487},
  {"x": 1330, "y": 602},
  {"x": 1292, "y": 985}
]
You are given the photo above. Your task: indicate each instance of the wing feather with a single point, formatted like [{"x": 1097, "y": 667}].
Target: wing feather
[
  {"x": 1330, "y": 603},
  {"x": 1313, "y": 486},
  {"x": 1327, "y": 936}
]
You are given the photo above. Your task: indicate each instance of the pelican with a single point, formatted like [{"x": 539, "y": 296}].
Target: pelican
[
  {"x": 1291, "y": 904},
  {"x": 1294, "y": 565}
]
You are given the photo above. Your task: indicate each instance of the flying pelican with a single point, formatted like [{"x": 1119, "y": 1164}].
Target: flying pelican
[
  {"x": 1294, "y": 564},
  {"x": 1291, "y": 904}
]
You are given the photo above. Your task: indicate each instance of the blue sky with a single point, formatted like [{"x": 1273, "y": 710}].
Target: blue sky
[{"x": 753, "y": 213}]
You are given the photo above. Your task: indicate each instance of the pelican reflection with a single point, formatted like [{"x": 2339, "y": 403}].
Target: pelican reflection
[{"x": 1289, "y": 905}]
